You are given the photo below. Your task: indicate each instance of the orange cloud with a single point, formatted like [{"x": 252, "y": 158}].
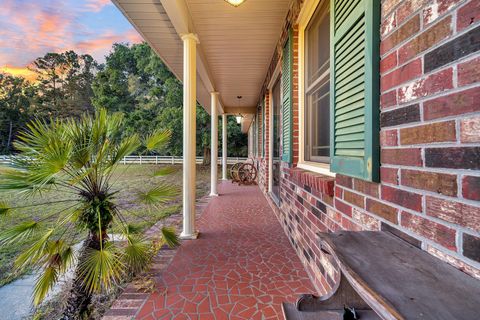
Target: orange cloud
[{"x": 19, "y": 72}]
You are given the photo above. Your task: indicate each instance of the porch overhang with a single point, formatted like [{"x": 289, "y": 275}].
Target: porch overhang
[{"x": 235, "y": 46}]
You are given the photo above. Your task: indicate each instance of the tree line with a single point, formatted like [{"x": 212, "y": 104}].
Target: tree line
[{"x": 133, "y": 80}]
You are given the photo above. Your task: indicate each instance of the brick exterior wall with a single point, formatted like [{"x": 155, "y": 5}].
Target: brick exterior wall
[{"x": 430, "y": 144}]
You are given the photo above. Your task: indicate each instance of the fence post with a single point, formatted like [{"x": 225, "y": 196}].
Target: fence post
[
  {"x": 124, "y": 160},
  {"x": 156, "y": 159},
  {"x": 140, "y": 159}
]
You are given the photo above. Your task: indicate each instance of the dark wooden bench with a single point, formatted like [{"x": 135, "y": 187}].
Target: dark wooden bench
[{"x": 384, "y": 277}]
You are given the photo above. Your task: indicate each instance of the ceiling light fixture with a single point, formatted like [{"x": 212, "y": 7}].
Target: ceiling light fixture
[
  {"x": 239, "y": 118},
  {"x": 235, "y": 3}
]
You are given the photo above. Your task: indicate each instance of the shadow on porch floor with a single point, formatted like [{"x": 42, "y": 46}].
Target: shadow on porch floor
[{"x": 241, "y": 267}]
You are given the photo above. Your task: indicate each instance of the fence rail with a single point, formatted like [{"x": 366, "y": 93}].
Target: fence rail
[{"x": 150, "y": 160}]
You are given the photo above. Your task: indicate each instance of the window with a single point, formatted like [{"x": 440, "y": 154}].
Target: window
[{"x": 317, "y": 87}]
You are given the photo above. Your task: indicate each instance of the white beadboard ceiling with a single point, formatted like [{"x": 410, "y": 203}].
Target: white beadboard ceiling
[{"x": 237, "y": 43}]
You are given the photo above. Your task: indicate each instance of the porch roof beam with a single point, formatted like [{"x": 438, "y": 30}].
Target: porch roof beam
[{"x": 179, "y": 16}]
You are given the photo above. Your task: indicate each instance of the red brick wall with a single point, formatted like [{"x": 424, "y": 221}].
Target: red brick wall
[{"x": 430, "y": 145}]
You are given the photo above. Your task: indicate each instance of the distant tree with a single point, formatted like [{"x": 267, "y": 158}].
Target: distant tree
[
  {"x": 64, "y": 82},
  {"x": 136, "y": 82},
  {"x": 16, "y": 96}
]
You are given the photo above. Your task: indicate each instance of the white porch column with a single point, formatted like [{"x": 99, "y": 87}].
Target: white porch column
[
  {"x": 224, "y": 147},
  {"x": 189, "y": 132},
  {"x": 214, "y": 144}
]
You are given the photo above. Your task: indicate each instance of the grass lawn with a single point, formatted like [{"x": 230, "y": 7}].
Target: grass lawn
[{"x": 127, "y": 180}]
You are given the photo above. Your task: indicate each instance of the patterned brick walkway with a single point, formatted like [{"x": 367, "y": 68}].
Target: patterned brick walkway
[{"x": 241, "y": 267}]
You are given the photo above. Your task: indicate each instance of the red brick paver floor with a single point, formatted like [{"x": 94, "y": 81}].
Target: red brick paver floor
[{"x": 241, "y": 267}]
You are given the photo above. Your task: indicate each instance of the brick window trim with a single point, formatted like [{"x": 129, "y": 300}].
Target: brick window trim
[{"x": 316, "y": 182}]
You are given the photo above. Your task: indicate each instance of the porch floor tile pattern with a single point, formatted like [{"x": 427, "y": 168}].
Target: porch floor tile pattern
[{"x": 241, "y": 267}]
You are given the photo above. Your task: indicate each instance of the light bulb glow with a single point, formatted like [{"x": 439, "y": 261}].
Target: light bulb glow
[
  {"x": 239, "y": 119},
  {"x": 235, "y": 3}
]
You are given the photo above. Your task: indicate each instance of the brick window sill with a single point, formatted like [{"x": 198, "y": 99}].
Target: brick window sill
[{"x": 312, "y": 181}]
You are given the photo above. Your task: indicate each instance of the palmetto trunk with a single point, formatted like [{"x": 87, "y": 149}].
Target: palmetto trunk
[{"x": 79, "y": 297}]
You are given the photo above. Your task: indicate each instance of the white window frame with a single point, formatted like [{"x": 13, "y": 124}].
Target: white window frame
[{"x": 306, "y": 14}]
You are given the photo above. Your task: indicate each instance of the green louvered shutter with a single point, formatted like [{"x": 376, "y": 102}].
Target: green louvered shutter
[
  {"x": 287, "y": 86},
  {"x": 354, "y": 45}
]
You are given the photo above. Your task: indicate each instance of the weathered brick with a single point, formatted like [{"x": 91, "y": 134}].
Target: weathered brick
[
  {"x": 366, "y": 221},
  {"x": 429, "y": 229},
  {"x": 471, "y": 188},
  {"x": 402, "y": 198},
  {"x": 425, "y": 40},
  {"x": 455, "y": 158},
  {"x": 407, "y": 8},
  {"x": 388, "y": 99},
  {"x": 468, "y": 14},
  {"x": 401, "y": 34},
  {"x": 389, "y": 175},
  {"x": 344, "y": 181},
  {"x": 470, "y": 130},
  {"x": 454, "y": 212},
  {"x": 469, "y": 72},
  {"x": 453, "y": 50},
  {"x": 354, "y": 198},
  {"x": 406, "y": 157},
  {"x": 433, "y": 132},
  {"x": 431, "y": 181},
  {"x": 436, "y": 9},
  {"x": 400, "y": 116},
  {"x": 402, "y": 235},
  {"x": 366, "y": 187},
  {"x": 452, "y": 104},
  {"x": 343, "y": 207},
  {"x": 388, "y": 138},
  {"x": 388, "y": 24},
  {"x": 434, "y": 83},
  {"x": 388, "y": 6},
  {"x": 389, "y": 62},
  {"x": 382, "y": 210},
  {"x": 471, "y": 247},
  {"x": 401, "y": 75}
]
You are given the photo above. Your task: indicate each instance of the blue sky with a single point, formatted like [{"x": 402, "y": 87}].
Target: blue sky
[{"x": 29, "y": 29}]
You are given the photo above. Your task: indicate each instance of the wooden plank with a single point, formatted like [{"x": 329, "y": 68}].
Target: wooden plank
[{"x": 400, "y": 281}]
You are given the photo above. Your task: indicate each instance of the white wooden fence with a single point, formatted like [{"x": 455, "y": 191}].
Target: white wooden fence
[{"x": 151, "y": 160}]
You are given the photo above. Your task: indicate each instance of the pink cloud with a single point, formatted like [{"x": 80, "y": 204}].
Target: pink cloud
[
  {"x": 97, "y": 5},
  {"x": 32, "y": 28}
]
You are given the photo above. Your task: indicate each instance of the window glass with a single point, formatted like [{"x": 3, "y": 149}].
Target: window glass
[{"x": 317, "y": 93}]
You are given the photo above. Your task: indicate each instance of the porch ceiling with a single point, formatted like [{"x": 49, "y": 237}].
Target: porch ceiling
[{"x": 236, "y": 44}]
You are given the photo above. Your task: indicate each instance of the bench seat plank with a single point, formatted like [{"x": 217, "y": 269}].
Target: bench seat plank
[{"x": 400, "y": 281}]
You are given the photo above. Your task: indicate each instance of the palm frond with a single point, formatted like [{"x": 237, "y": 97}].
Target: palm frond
[
  {"x": 45, "y": 282},
  {"x": 137, "y": 252},
  {"x": 170, "y": 237},
  {"x": 165, "y": 171},
  {"x": 35, "y": 252},
  {"x": 101, "y": 268},
  {"x": 158, "y": 195},
  {"x": 127, "y": 146},
  {"x": 132, "y": 229},
  {"x": 157, "y": 140},
  {"x": 19, "y": 232},
  {"x": 4, "y": 208}
]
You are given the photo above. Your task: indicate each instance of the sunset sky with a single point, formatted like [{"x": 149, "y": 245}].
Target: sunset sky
[{"x": 31, "y": 28}]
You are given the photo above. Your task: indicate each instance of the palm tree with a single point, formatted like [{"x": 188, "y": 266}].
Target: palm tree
[{"x": 77, "y": 158}]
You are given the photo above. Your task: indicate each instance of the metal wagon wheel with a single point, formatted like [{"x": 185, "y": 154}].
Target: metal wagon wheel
[
  {"x": 247, "y": 173},
  {"x": 234, "y": 172}
]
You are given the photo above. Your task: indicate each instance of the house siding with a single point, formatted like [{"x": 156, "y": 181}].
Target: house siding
[{"x": 429, "y": 188}]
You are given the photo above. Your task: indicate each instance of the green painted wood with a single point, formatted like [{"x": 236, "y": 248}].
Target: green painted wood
[
  {"x": 355, "y": 94},
  {"x": 287, "y": 96}
]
